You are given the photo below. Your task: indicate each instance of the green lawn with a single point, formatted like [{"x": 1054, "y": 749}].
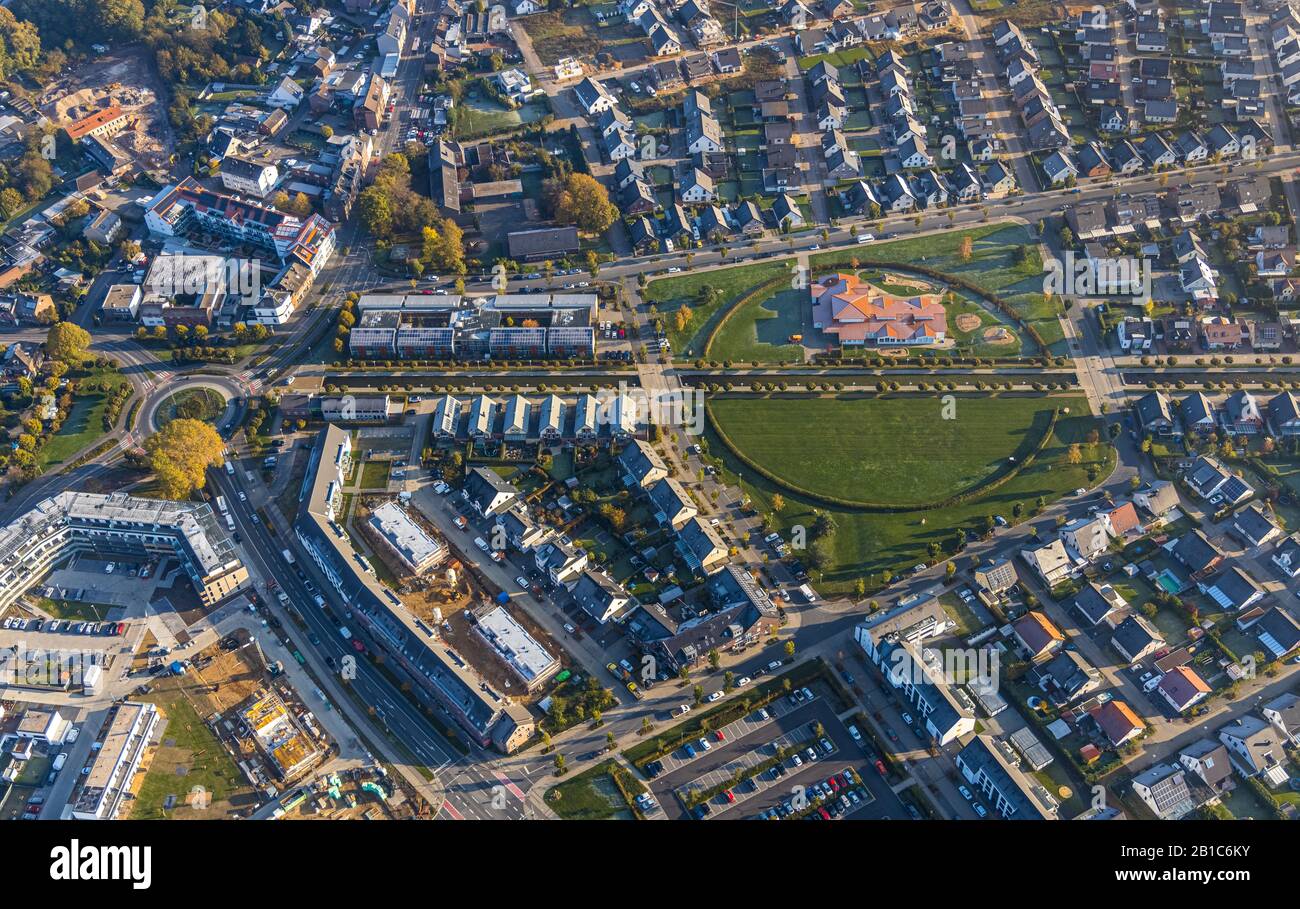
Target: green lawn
[
  {"x": 207, "y": 763},
  {"x": 760, "y": 331},
  {"x": 589, "y": 796},
  {"x": 374, "y": 475},
  {"x": 67, "y": 609},
  {"x": 896, "y": 451},
  {"x": 204, "y": 404},
  {"x": 669, "y": 294},
  {"x": 85, "y": 422},
  {"x": 866, "y": 543},
  {"x": 84, "y": 425},
  {"x": 483, "y": 117}
]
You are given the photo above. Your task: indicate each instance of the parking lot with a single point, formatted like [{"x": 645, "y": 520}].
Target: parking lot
[{"x": 753, "y": 740}]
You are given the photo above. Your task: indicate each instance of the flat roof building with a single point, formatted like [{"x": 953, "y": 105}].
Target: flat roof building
[
  {"x": 407, "y": 540},
  {"x": 123, "y": 525},
  {"x": 116, "y": 763},
  {"x": 413, "y": 647},
  {"x": 518, "y": 649}
]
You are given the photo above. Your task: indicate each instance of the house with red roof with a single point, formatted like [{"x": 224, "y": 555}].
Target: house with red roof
[
  {"x": 1183, "y": 688},
  {"x": 860, "y": 314},
  {"x": 1117, "y": 722},
  {"x": 1036, "y": 633},
  {"x": 1124, "y": 520}
]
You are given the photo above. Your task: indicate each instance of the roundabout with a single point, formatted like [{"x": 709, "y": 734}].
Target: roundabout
[{"x": 211, "y": 399}]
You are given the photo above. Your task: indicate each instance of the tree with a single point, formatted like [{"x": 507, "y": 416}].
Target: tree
[
  {"x": 67, "y": 342},
  {"x": 966, "y": 248},
  {"x": 376, "y": 211},
  {"x": 300, "y": 206},
  {"x": 778, "y": 503},
  {"x": 715, "y": 659},
  {"x": 789, "y": 649},
  {"x": 582, "y": 201},
  {"x": 180, "y": 454}
]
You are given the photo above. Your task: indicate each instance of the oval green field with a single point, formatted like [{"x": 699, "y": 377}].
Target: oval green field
[{"x": 893, "y": 451}]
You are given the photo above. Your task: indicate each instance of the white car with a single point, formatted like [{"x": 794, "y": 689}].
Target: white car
[
  {"x": 742, "y": 682},
  {"x": 243, "y": 497},
  {"x": 717, "y": 695},
  {"x": 522, "y": 582},
  {"x": 674, "y": 270}
]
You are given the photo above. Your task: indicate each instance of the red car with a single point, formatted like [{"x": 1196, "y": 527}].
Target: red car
[
  {"x": 833, "y": 783},
  {"x": 826, "y": 815},
  {"x": 731, "y": 796},
  {"x": 880, "y": 766},
  {"x": 719, "y": 736},
  {"x": 358, "y": 646}
]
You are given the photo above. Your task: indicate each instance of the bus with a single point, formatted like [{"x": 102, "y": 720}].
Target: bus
[{"x": 221, "y": 505}]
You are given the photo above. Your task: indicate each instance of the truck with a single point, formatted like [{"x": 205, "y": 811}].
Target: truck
[
  {"x": 221, "y": 505},
  {"x": 92, "y": 680},
  {"x": 288, "y": 557},
  {"x": 59, "y": 761}
]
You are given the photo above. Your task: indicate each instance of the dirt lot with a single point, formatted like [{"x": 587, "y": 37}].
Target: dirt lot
[
  {"x": 190, "y": 774},
  {"x": 127, "y": 81}
]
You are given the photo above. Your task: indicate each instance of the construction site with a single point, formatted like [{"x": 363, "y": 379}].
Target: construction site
[
  {"x": 450, "y": 599},
  {"x": 236, "y": 733},
  {"x": 127, "y": 83},
  {"x": 349, "y": 795}
]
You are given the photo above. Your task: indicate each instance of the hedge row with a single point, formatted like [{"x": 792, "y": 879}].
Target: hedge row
[{"x": 856, "y": 505}]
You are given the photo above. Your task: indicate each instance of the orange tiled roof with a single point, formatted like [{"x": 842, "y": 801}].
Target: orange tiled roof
[
  {"x": 86, "y": 125},
  {"x": 855, "y": 310}
]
